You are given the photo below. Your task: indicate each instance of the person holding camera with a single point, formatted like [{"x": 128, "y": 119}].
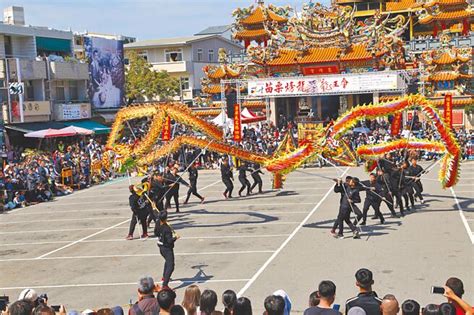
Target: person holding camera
[{"x": 166, "y": 238}]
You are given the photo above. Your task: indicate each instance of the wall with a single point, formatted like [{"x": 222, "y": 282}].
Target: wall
[
  {"x": 23, "y": 47},
  {"x": 2, "y": 46},
  {"x": 215, "y": 44}
]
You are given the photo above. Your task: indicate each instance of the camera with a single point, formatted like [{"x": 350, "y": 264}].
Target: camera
[
  {"x": 437, "y": 290},
  {"x": 42, "y": 299}
]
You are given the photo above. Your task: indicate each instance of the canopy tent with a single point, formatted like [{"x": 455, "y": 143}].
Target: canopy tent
[
  {"x": 49, "y": 133},
  {"x": 219, "y": 120},
  {"x": 78, "y": 130},
  {"x": 97, "y": 128},
  {"x": 246, "y": 113}
]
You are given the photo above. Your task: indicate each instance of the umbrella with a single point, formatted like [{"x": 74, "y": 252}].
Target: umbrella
[
  {"x": 362, "y": 130},
  {"x": 49, "y": 133},
  {"x": 77, "y": 130}
]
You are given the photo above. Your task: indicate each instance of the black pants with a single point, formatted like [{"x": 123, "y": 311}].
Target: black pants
[
  {"x": 375, "y": 205},
  {"x": 407, "y": 193},
  {"x": 245, "y": 184},
  {"x": 192, "y": 190},
  {"x": 173, "y": 193},
  {"x": 418, "y": 187},
  {"x": 344, "y": 216},
  {"x": 389, "y": 202},
  {"x": 398, "y": 200},
  {"x": 151, "y": 216},
  {"x": 229, "y": 186},
  {"x": 134, "y": 222},
  {"x": 168, "y": 255},
  {"x": 257, "y": 181}
]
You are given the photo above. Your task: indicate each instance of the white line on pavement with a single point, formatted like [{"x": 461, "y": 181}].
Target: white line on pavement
[
  {"x": 80, "y": 285},
  {"x": 136, "y": 255},
  {"x": 82, "y": 239},
  {"x": 283, "y": 245},
  {"x": 153, "y": 239},
  {"x": 65, "y": 220},
  {"x": 463, "y": 218},
  {"x": 191, "y": 226}
]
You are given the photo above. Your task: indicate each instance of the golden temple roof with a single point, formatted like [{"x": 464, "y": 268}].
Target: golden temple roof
[
  {"x": 258, "y": 16},
  {"x": 212, "y": 89},
  {"x": 447, "y": 76},
  {"x": 457, "y": 101},
  {"x": 448, "y": 58},
  {"x": 447, "y": 15},
  {"x": 400, "y": 5},
  {"x": 249, "y": 34},
  {"x": 287, "y": 57},
  {"x": 220, "y": 72}
]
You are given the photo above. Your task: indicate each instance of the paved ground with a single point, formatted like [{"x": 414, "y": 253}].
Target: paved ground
[{"x": 74, "y": 248}]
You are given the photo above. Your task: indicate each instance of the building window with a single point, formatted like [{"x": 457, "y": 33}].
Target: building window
[
  {"x": 29, "y": 91},
  {"x": 199, "y": 54},
  {"x": 172, "y": 55},
  {"x": 60, "y": 95},
  {"x": 143, "y": 54},
  {"x": 73, "y": 91},
  {"x": 184, "y": 84},
  {"x": 211, "y": 55}
]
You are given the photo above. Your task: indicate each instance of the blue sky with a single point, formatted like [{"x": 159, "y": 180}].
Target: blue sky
[{"x": 144, "y": 19}]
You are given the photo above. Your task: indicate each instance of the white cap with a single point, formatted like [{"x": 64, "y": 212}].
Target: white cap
[{"x": 28, "y": 294}]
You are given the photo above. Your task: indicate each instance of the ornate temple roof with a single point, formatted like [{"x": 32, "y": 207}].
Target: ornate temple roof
[
  {"x": 448, "y": 57},
  {"x": 251, "y": 34},
  {"x": 220, "y": 72},
  {"x": 401, "y": 5},
  {"x": 457, "y": 101},
  {"x": 263, "y": 14},
  {"x": 447, "y": 76},
  {"x": 446, "y": 16}
]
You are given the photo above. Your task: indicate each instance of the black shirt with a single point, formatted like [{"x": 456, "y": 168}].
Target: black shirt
[
  {"x": 316, "y": 310},
  {"x": 369, "y": 301}
]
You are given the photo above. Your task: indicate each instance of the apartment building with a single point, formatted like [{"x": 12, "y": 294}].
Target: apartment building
[
  {"x": 184, "y": 58},
  {"x": 42, "y": 59}
]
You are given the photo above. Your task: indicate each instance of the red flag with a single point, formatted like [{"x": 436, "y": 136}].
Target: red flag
[
  {"x": 396, "y": 124},
  {"x": 448, "y": 110},
  {"x": 166, "y": 135},
  {"x": 237, "y": 124}
]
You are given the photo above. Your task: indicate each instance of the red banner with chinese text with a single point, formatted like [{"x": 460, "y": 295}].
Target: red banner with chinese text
[
  {"x": 237, "y": 124},
  {"x": 320, "y": 70},
  {"x": 396, "y": 124},
  {"x": 166, "y": 135},
  {"x": 448, "y": 110}
]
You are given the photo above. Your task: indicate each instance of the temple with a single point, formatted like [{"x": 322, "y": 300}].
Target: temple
[
  {"x": 314, "y": 64},
  {"x": 447, "y": 70}
]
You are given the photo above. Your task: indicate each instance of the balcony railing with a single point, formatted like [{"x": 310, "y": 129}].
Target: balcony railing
[
  {"x": 175, "y": 66},
  {"x": 418, "y": 45},
  {"x": 69, "y": 71}
]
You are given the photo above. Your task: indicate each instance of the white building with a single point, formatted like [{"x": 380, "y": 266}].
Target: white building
[
  {"x": 184, "y": 57},
  {"x": 41, "y": 58}
]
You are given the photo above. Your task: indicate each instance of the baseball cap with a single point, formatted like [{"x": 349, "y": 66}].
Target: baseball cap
[
  {"x": 28, "y": 294},
  {"x": 364, "y": 276}
]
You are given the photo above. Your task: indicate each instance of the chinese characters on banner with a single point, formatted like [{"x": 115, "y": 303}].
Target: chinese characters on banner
[
  {"x": 448, "y": 110},
  {"x": 237, "y": 124},
  {"x": 320, "y": 70},
  {"x": 324, "y": 84},
  {"x": 166, "y": 136},
  {"x": 396, "y": 124}
]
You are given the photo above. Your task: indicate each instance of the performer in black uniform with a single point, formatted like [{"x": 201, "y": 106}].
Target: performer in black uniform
[
  {"x": 349, "y": 196},
  {"x": 158, "y": 190},
  {"x": 373, "y": 198},
  {"x": 243, "y": 168},
  {"x": 173, "y": 180},
  {"x": 416, "y": 171},
  {"x": 227, "y": 178},
  {"x": 384, "y": 182},
  {"x": 166, "y": 238},
  {"x": 407, "y": 186},
  {"x": 140, "y": 208},
  {"x": 193, "y": 176},
  {"x": 257, "y": 180}
]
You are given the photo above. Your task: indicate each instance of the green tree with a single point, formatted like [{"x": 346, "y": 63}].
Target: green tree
[{"x": 141, "y": 81}]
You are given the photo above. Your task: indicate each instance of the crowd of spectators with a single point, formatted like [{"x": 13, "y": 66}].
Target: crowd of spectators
[
  {"x": 152, "y": 300},
  {"x": 32, "y": 176}
]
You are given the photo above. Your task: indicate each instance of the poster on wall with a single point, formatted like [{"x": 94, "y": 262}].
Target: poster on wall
[{"x": 106, "y": 72}]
